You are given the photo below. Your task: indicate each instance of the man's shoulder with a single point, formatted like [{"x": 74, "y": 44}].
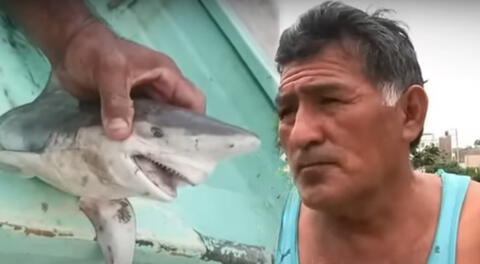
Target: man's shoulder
[
  {"x": 472, "y": 199},
  {"x": 469, "y": 231},
  {"x": 471, "y": 206}
]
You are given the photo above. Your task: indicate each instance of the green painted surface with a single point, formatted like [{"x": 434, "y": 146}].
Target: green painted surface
[
  {"x": 241, "y": 202},
  {"x": 245, "y": 45}
]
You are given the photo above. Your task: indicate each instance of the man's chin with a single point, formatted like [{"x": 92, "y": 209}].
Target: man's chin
[{"x": 319, "y": 197}]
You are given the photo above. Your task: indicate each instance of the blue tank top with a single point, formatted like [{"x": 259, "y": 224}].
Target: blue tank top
[{"x": 454, "y": 190}]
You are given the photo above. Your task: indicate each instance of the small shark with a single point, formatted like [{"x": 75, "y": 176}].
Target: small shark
[{"x": 61, "y": 141}]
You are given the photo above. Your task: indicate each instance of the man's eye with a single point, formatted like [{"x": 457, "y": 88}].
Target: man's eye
[
  {"x": 329, "y": 100},
  {"x": 157, "y": 132}
]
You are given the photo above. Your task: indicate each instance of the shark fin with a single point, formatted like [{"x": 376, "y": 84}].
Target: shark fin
[
  {"x": 23, "y": 164},
  {"x": 115, "y": 227},
  {"x": 55, "y": 89}
]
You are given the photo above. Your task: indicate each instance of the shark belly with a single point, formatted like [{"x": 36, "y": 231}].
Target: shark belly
[
  {"x": 83, "y": 173},
  {"x": 76, "y": 171}
]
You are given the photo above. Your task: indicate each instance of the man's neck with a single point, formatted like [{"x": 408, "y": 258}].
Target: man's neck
[{"x": 378, "y": 220}]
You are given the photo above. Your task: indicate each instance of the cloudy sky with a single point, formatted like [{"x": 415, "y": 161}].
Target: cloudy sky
[{"x": 446, "y": 35}]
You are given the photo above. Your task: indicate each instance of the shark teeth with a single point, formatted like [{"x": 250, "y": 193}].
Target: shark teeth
[
  {"x": 165, "y": 178},
  {"x": 169, "y": 170}
]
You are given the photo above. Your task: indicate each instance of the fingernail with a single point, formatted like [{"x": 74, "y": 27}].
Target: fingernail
[{"x": 117, "y": 125}]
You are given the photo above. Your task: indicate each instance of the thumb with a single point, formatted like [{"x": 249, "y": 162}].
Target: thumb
[{"x": 117, "y": 106}]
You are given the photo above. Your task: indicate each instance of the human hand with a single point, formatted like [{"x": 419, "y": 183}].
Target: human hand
[{"x": 97, "y": 64}]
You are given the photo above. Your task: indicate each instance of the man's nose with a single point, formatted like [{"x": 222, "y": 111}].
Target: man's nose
[{"x": 307, "y": 129}]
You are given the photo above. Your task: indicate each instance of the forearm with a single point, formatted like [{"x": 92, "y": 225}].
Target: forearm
[{"x": 50, "y": 24}]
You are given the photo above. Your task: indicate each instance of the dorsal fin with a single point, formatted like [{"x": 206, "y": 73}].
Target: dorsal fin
[
  {"x": 53, "y": 88},
  {"x": 29, "y": 127}
]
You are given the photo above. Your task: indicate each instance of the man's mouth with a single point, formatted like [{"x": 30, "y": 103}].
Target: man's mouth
[
  {"x": 312, "y": 165},
  {"x": 164, "y": 177}
]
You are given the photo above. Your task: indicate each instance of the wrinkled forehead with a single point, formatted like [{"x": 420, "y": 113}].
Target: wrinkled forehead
[
  {"x": 329, "y": 69},
  {"x": 335, "y": 56}
]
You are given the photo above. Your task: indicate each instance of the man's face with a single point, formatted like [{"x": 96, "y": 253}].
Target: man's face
[{"x": 340, "y": 137}]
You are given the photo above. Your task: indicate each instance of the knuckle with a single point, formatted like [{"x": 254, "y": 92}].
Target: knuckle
[
  {"x": 200, "y": 96},
  {"x": 113, "y": 60},
  {"x": 165, "y": 61},
  {"x": 118, "y": 100}
]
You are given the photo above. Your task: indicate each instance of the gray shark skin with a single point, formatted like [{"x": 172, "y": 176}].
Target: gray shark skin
[{"x": 61, "y": 141}]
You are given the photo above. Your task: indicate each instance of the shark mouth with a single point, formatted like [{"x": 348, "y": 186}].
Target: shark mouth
[{"x": 165, "y": 178}]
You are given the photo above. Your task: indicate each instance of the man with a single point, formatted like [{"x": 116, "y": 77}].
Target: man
[
  {"x": 352, "y": 107},
  {"x": 92, "y": 62}
]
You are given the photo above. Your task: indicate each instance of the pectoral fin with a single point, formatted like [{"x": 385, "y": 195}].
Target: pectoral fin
[
  {"x": 115, "y": 227},
  {"x": 23, "y": 164}
]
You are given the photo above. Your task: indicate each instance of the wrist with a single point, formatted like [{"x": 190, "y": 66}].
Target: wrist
[
  {"x": 85, "y": 45},
  {"x": 50, "y": 24},
  {"x": 56, "y": 49}
]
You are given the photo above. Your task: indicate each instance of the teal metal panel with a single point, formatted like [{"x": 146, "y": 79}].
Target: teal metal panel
[
  {"x": 245, "y": 44},
  {"x": 241, "y": 202}
]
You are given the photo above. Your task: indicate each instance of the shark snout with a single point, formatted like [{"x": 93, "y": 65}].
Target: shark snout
[
  {"x": 241, "y": 144},
  {"x": 215, "y": 148}
]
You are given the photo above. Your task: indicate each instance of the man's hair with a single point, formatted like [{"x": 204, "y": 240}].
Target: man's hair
[{"x": 389, "y": 58}]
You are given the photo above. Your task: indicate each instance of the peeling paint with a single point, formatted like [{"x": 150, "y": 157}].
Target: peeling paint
[
  {"x": 36, "y": 231},
  {"x": 229, "y": 252},
  {"x": 39, "y": 232},
  {"x": 144, "y": 243},
  {"x": 168, "y": 249},
  {"x": 222, "y": 251},
  {"x": 172, "y": 250}
]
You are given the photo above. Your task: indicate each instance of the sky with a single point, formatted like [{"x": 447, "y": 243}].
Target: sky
[{"x": 446, "y": 36}]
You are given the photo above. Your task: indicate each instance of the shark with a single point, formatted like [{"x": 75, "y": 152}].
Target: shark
[{"x": 60, "y": 140}]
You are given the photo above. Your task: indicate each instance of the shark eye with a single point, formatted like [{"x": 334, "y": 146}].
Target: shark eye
[{"x": 157, "y": 132}]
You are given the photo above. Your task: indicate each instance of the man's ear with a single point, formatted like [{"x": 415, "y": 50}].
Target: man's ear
[{"x": 414, "y": 105}]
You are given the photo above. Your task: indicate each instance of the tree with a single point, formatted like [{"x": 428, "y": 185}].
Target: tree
[
  {"x": 427, "y": 157},
  {"x": 476, "y": 143}
]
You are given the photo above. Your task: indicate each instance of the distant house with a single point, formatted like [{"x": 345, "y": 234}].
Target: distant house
[{"x": 469, "y": 157}]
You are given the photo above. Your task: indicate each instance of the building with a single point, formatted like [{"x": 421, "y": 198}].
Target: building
[
  {"x": 427, "y": 139},
  {"x": 469, "y": 157},
  {"x": 472, "y": 160},
  {"x": 445, "y": 146}
]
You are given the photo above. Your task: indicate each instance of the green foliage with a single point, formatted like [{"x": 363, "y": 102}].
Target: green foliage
[
  {"x": 428, "y": 156},
  {"x": 453, "y": 167},
  {"x": 476, "y": 143},
  {"x": 430, "y": 160}
]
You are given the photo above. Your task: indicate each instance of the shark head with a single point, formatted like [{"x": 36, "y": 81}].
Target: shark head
[{"x": 170, "y": 147}]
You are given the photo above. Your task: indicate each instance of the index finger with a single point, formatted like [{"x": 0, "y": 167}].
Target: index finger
[{"x": 174, "y": 88}]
